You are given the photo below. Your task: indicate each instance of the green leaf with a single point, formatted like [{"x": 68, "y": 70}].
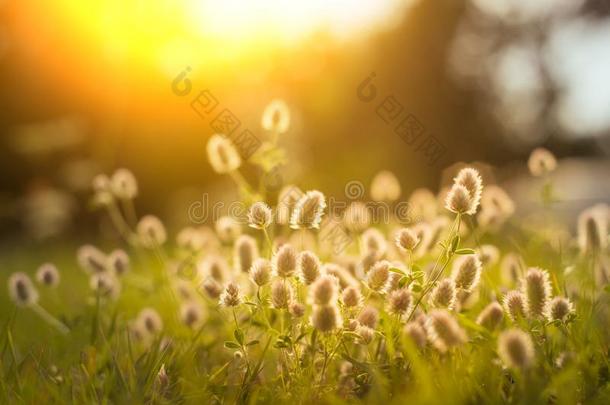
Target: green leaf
[
  {"x": 239, "y": 336},
  {"x": 455, "y": 243},
  {"x": 253, "y": 342},
  {"x": 396, "y": 270},
  {"x": 231, "y": 345},
  {"x": 464, "y": 251},
  {"x": 416, "y": 287}
]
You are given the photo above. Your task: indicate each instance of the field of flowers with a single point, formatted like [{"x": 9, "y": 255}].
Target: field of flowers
[{"x": 301, "y": 303}]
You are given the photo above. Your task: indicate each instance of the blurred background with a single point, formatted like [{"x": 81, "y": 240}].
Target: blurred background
[{"x": 91, "y": 86}]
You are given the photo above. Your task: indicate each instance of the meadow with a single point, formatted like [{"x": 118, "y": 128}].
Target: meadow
[{"x": 296, "y": 302}]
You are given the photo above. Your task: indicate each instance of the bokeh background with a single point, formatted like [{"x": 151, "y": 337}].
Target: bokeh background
[{"x": 87, "y": 88}]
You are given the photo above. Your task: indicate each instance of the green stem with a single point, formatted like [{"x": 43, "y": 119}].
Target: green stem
[{"x": 50, "y": 319}]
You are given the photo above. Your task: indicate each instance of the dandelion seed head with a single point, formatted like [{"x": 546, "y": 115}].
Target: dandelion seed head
[
  {"x": 407, "y": 239},
  {"x": 443, "y": 330},
  {"x": 308, "y": 266},
  {"x": 326, "y": 318},
  {"x": 222, "y": 154},
  {"x": 227, "y": 229},
  {"x": 515, "y": 349},
  {"x": 151, "y": 232},
  {"x": 276, "y": 117},
  {"x": 124, "y": 185},
  {"x": 385, "y": 187},
  {"x": 491, "y": 316},
  {"x": 369, "y": 316},
  {"x": 245, "y": 252},
  {"x": 22, "y": 290},
  {"x": 260, "y": 272},
  {"x": 285, "y": 261},
  {"x": 537, "y": 291},
  {"x": 48, "y": 275},
  {"x": 231, "y": 296},
  {"x": 467, "y": 272},
  {"x": 308, "y": 211},
  {"x": 356, "y": 217},
  {"x": 443, "y": 294},
  {"x": 260, "y": 215},
  {"x": 541, "y": 162}
]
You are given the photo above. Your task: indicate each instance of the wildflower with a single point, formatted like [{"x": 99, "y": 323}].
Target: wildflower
[
  {"x": 443, "y": 295},
  {"x": 259, "y": 216},
  {"x": 191, "y": 314},
  {"x": 308, "y": 211},
  {"x": 489, "y": 255},
  {"x": 443, "y": 330},
  {"x": 296, "y": 309},
  {"x": 48, "y": 275},
  {"x": 184, "y": 289},
  {"x": 124, "y": 185},
  {"x": 541, "y": 162},
  {"x": 214, "y": 266},
  {"x": 231, "y": 296},
  {"x": 366, "y": 334},
  {"x": 246, "y": 251},
  {"x": 495, "y": 198},
  {"x": 593, "y": 229},
  {"x": 222, "y": 154},
  {"x": 510, "y": 268},
  {"x": 227, "y": 229},
  {"x": 118, "y": 262},
  {"x": 385, "y": 187},
  {"x": 260, "y": 272},
  {"x": 276, "y": 117},
  {"x": 514, "y": 304},
  {"x": 459, "y": 200},
  {"x": 369, "y": 316},
  {"x": 105, "y": 284},
  {"x": 308, "y": 266},
  {"x": 559, "y": 309},
  {"x": 281, "y": 294},
  {"x": 417, "y": 334},
  {"x": 326, "y": 318},
  {"x": 287, "y": 199},
  {"x": 471, "y": 180},
  {"x": 324, "y": 290},
  {"x": 22, "y": 290},
  {"x": 162, "y": 379},
  {"x": 190, "y": 238},
  {"x": 377, "y": 277},
  {"x": 466, "y": 272},
  {"x": 491, "y": 316},
  {"x": 343, "y": 276},
  {"x": 212, "y": 288},
  {"x": 356, "y": 217},
  {"x": 151, "y": 232},
  {"x": 400, "y": 301},
  {"x": 91, "y": 259},
  {"x": 407, "y": 239},
  {"x": 423, "y": 205},
  {"x": 393, "y": 280},
  {"x": 284, "y": 261},
  {"x": 537, "y": 292},
  {"x": 516, "y": 349},
  {"x": 373, "y": 242},
  {"x": 150, "y": 320},
  {"x": 351, "y": 297}
]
